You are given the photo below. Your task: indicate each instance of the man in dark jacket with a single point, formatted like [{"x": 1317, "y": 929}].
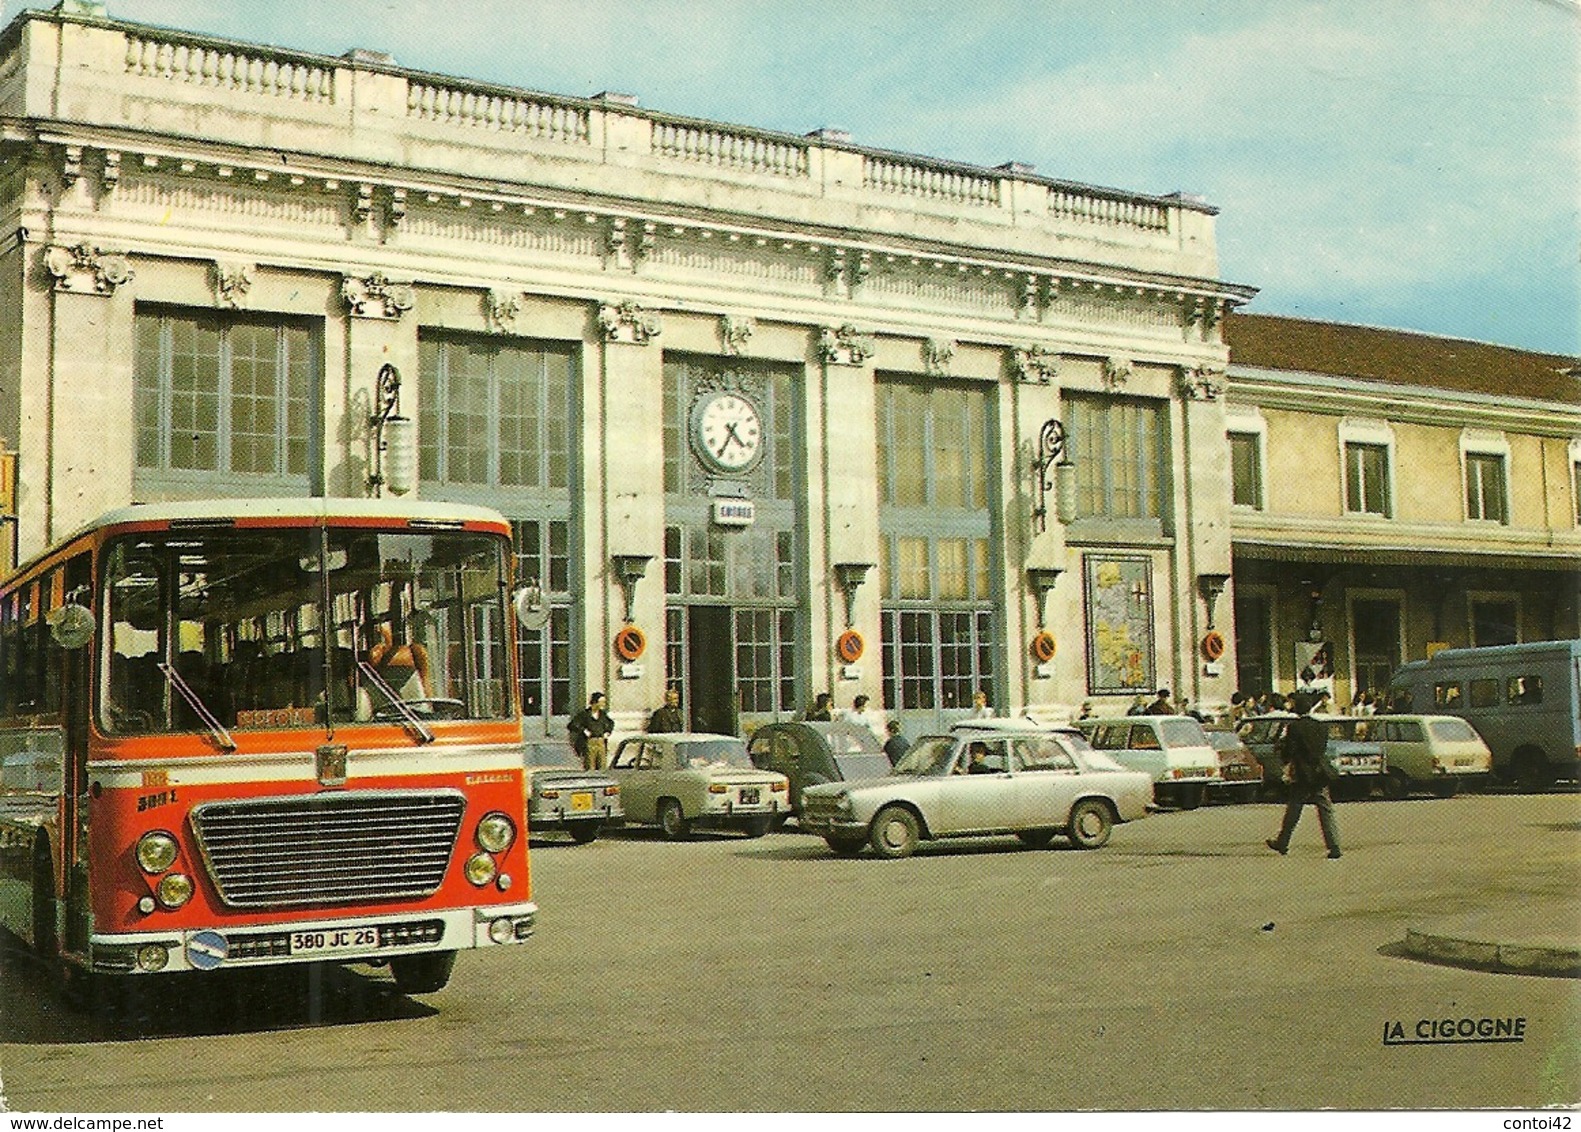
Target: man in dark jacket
[
  {"x": 1309, "y": 773},
  {"x": 668, "y": 717},
  {"x": 589, "y": 730}
]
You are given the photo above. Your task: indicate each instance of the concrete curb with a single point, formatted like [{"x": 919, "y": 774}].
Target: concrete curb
[{"x": 1482, "y": 955}]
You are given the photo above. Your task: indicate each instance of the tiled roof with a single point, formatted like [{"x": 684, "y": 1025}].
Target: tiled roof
[{"x": 1266, "y": 341}]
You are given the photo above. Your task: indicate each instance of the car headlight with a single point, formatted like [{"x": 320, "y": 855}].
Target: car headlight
[
  {"x": 156, "y": 851},
  {"x": 842, "y": 803},
  {"x": 174, "y": 889},
  {"x": 496, "y": 832},
  {"x": 480, "y": 869}
]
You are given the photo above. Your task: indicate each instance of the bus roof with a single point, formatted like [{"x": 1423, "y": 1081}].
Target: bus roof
[
  {"x": 312, "y": 507},
  {"x": 1487, "y": 653}
]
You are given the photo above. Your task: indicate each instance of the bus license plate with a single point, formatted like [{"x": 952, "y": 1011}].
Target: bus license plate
[
  {"x": 749, "y": 795},
  {"x": 332, "y": 940},
  {"x": 582, "y": 801}
]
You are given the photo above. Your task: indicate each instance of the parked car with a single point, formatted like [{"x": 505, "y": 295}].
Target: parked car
[
  {"x": 687, "y": 781},
  {"x": 1173, "y": 750},
  {"x": 1438, "y": 753},
  {"x": 1351, "y": 749},
  {"x": 1033, "y": 782},
  {"x": 810, "y": 753},
  {"x": 1240, "y": 774},
  {"x": 564, "y": 796}
]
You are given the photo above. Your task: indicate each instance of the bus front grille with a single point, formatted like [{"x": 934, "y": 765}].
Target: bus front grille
[{"x": 317, "y": 849}]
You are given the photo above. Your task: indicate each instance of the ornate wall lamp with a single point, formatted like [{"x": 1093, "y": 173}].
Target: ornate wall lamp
[
  {"x": 629, "y": 569},
  {"x": 1211, "y": 586},
  {"x": 1051, "y": 457},
  {"x": 394, "y": 438},
  {"x": 1042, "y": 579},
  {"x": 851, "y": 575}
]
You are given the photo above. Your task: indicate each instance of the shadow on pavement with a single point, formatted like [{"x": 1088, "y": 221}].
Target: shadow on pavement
[{"x": 36, "y": 1010}]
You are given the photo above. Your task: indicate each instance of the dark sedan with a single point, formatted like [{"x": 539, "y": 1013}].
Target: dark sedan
[{"x": 810, "y": 753}]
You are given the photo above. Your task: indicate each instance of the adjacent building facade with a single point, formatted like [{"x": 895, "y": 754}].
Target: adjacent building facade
[
  {"x": 807, "y": 416},
  {"x": 1394, "y": 493}
]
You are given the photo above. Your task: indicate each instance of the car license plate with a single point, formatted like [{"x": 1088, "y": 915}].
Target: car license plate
[
  {"x": 1462, "y": 762},
  {"x": 582, "y": 801},
  {"x": 749, "y": 795},
  {"x": 331, "y": 940}
]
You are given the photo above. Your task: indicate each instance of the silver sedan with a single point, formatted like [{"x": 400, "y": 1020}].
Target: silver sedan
[{"x": 1033, "y": 782}]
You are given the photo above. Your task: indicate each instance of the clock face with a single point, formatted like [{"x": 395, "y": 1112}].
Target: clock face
[{"x": 727, "y": 432}]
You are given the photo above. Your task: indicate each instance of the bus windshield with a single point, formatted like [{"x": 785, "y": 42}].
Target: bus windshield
[{"x": 245, "y": 628}]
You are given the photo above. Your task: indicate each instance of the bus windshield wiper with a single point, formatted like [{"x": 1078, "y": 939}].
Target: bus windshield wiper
[
  {"x": 216, "y": 728},
  {"x": 408, "y": 716}
]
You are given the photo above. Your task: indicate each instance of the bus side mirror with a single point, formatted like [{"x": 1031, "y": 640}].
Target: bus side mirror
[
  {"x": 71, "y": 626},
  {"x": 532, "y": 612}
]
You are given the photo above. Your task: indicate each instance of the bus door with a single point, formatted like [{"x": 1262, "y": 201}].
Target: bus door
[{"x": 76, "y": 684}]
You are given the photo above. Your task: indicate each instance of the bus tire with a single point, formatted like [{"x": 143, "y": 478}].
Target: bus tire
[
  {"x": 422, "y": 974},
  {"x": 46, "y": 943}
]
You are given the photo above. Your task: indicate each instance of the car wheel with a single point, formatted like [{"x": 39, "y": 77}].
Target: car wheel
[
  {"x": 757, "y": 827},
  {"x": 422, "y": 974},
  {"x": 1396, "y": 785},
  {"x": 583, "y": 831},
  {"x": 672, "y": 821},
  {"x": 1190, "y": 797},
  {"x": 895, "y": 833},
  {"x": 1090, "y": 824},
  {"x": 1036, "y": 838},
  {"x": 845, "y": 846},
  {"x": 1446, "y": 787}
]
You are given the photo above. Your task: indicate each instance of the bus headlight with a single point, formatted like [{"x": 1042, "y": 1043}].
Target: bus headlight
[
  {"x": 480, "y": 869},
  {"x": 174, "y": 890},
  {"x": 496, "y": 832},
  {"x": 156, "y": 851}
]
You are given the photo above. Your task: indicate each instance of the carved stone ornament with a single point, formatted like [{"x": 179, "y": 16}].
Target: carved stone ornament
[
  {"x": 500, "y": 308},
  {"x": 1037, "y": 365},
  {"x": 71, "y": 166},
  {"x": 627, "y": 322},
  {"x": 1116, "y": 372},
  {"x": 374, "y": 296},
  {"x": 232, "y": 281},
  {"x": 735, "y": 331},
  {"x": 1201, "y": 383},
  {"x": 844, "y": 346},
  {"x": 112, "y": 171},
  {"x": 1205, "y": 313},
  {"x": 83, "y": 270},
  {"x": 937, "y": 354}
]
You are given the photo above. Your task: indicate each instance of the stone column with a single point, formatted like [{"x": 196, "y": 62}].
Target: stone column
[{"x": 1203, "y": 538}]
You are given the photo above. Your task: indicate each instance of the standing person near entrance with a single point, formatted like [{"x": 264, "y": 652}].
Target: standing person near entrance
[
  {"x": 860, "y": 716},
  {"x": 1307, "y": 768},
  {"x": 980, "y": 706},
  {"x": 822, "y": 710},
  {"x": 589, "y": 729},
  {"x": 668, "y": 717},
  {"x": 1160, "y": 704}
]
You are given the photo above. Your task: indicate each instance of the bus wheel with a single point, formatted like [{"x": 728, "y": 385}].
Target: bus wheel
[
  {"x": 1532, "y": 772},
  {"x": 45, "y": 942},
  {"x": 422, "y": 974}
]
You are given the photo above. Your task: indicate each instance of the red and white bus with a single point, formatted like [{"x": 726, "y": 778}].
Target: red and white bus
[{"x": 236, "y": 734}]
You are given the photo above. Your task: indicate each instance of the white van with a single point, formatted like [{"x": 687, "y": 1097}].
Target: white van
[{"x": 1174, "y": 749}]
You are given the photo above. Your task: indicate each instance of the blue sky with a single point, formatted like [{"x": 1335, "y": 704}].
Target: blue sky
[{"x": 1408, "y": 163}]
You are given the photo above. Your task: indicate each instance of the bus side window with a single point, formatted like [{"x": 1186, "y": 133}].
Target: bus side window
[
  {"x": 1522, "y": 691},
  {"x": 1484, "y": 692},
  {"x": 1446, "y": 695}
]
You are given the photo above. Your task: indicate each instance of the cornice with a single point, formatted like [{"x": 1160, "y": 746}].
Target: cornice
[
  {"x": 1414, "y": 404},
  {"x": 1032, "y": 283},
  {"x": 1340, "y": 535}
]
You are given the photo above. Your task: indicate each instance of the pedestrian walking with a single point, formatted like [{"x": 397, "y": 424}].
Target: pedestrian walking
[
  {"x": 896, "y": 746},
  {"x": 1309, "y": 774},
  {"x": 668, "y": 717},
  {"x": 589, "y": 730}
]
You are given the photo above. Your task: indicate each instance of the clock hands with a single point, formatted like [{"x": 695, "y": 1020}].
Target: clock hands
[{"x": 730, "y": 434}]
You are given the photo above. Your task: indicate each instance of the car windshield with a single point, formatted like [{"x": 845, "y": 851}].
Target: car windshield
[
  {"x": 715, "y": 752},
  {"x": 552, "y": 755},
  {"x": 1224, "y": 740},
  {"x": 853, "y": 767},
  {"x": 929, "y": 756},
  {"x": 1182, "y": 733},
  {"x": 1451, "y": 730},
  {"x": 846, "y": 739}
]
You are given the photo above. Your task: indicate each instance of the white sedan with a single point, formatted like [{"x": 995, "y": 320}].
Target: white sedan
[
  {"x": 682, "y": 782},
  {"x": 1034, "y": 782}
]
